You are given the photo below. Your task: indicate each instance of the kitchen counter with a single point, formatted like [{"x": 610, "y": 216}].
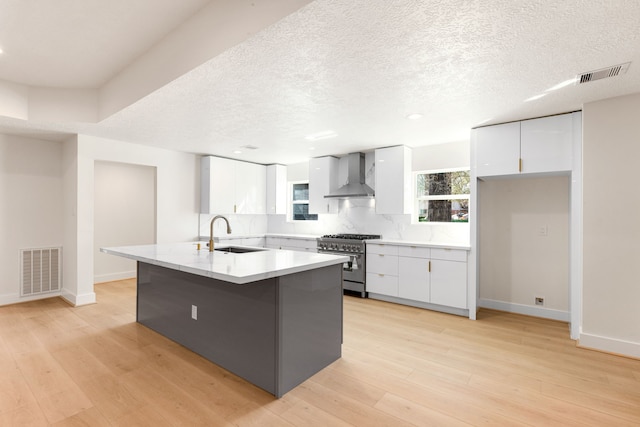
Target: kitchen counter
[
  {"x": 280, "y": 327},
  {"x": 234, "y": 268}
]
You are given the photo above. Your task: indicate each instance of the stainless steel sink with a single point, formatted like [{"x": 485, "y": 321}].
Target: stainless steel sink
[{"x": 238, "y": 249}]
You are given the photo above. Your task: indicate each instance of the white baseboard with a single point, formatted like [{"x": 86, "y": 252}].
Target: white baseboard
[
  {"x": 510, "y": 307},
  {"x": 609, "y": 345},
  {"x": 8, "y": 299},
  {"x": 101, "y": 278},
  {"x": 77, "y": 300}
]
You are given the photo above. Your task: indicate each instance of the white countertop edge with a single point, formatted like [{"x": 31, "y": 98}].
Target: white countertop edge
[
  {"x": 421, "y": 244},
  {"x": 232, "y": 278}
]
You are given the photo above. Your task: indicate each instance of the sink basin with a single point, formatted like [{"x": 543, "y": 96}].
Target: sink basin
[{"x": 238, "y": 249}]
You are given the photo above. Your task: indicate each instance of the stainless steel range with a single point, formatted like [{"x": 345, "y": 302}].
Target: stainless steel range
[{"x": 352, "y": 245}]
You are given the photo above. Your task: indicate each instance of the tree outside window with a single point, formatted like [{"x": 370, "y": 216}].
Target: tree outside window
[{"x": 443, "y": 196}]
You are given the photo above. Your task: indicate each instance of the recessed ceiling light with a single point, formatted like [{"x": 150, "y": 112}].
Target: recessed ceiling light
[
  {"x": 414, "y": 116},
  {"x": 237, "y": 152},
  {"x": 312, "y": 148},
  {"x": 533, "y": 98},
  {"x": 321, "y": 135},
  {"x": 1, "y": 51}
]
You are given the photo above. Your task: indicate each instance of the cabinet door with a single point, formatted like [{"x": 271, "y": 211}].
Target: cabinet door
[
  {"x": 449, "y": 283},
  {"x": 413, "y": 279},
  {"x": 498, "y": 150},
  {"x": 393, "y": 180},
  {"x": 323, "y": 178},
  {"x": 216, "y": 186},
  {"x": 546, "y": 144},
  {"x": 250, "y": 188},
  {"x": 382, "y": 284},
  {"x": 276, "y": 189}
]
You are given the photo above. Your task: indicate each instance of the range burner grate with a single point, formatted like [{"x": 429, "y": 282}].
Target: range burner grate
[{"x": 352, "y": 236}]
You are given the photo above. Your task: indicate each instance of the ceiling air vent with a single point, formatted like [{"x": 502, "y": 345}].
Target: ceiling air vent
[
  {"x": 603, "y": 73},
  {"x": 249, "y": 147}
]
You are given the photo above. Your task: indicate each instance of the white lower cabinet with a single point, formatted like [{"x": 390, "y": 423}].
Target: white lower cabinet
[
  {"x": 418, "y": 274},
  {"x": 449, "y": 283},
  {"x": 382, "y": 269},
  {"x": 413, "y": 278}
]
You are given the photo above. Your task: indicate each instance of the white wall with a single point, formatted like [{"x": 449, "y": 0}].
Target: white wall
[
  {"x": 611, "y": 290},
  {"x": 517, "y": 263},
  {"x": 177, "y": 201},
  {"x": 31, "y": 207},
  {"x": 124, "y": 214}
]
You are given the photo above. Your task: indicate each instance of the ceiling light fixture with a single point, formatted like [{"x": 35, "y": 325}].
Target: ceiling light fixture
[
  {"x": 237, "y": 152},
  {"x": 414, "y": 116},
  {"x": 321, "y": 135}
]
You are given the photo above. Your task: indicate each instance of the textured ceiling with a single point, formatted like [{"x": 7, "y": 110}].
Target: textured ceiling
[
  {"x": 359, "y": 67},
  {"x": 81, "y": 44}
]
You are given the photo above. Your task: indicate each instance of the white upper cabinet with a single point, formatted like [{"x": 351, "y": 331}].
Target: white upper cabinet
[
  {"x": 323, "y": 178},
  {"x": 546, "y": 144},
  {"x": 529, "y": 147},
  {"x": 276, "y": 189},
  {"x": 393, "y": 180},
  {"x": 498, "y": 149},
  {"x": 231, "y": 187}
]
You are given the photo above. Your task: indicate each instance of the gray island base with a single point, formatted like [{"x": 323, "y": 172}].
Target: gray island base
[{"x": 274, "y": 333}]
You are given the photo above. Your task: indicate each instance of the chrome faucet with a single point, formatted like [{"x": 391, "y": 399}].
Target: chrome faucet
[{"x": 211, "y": 230}]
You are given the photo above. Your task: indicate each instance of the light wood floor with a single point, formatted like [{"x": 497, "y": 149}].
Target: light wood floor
[{"x": 95, "y": 366}]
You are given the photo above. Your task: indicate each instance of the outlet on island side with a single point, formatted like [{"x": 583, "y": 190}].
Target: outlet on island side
[
  {"x": 194, "y": 312},
  {"x": 539, "y": 301}
]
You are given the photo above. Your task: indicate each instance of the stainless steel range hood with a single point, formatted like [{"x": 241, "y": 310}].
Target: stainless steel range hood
[{"x": 355, "y": 186}]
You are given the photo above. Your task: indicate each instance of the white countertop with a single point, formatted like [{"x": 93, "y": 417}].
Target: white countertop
[
  {"x": 230, "y": 267},
  {"x": 443, "y": 245}
]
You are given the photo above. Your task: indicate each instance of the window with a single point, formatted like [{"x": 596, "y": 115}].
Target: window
[
  {"x": 442, "y": 195},
  {"x": 300, "y": 202}
]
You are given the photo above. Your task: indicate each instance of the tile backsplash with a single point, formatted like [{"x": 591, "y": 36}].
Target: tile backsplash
[{"x": 355, "y": 216}]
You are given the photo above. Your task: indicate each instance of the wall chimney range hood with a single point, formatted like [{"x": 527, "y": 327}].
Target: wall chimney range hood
[{"x": 355, "y": 186}]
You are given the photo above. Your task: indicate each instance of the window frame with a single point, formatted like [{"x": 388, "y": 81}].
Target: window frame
[
  {"x": 291, "y": 202},
  {"x": 417, "y": 199}
]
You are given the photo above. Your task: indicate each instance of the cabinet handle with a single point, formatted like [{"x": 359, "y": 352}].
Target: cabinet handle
[
  {"x": 520, "y": 165},
  {"x": 429, "y": 266},
  {"x": 380, "y": 255},
  {"x": 327, "y": 207},
  {"x": 235, "y": 208},
  {"x": 381, "y": 275}
]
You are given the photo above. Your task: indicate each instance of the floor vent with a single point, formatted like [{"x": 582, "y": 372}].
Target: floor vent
[
  {"x": 604, "y": 73},
  {"x": 41, "y": 270}
]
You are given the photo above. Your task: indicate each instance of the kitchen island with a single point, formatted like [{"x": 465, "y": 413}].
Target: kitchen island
[{"x": 272, "y": 317}]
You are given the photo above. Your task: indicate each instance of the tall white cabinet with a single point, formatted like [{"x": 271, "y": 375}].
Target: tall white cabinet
[
  {"x": 323, "y": 178},
  {"x": 539, "y": 147},
  {"x": 393, "y": 180},
  {"x": 276, "y": 189},
  {"x": 231, "y": 187}
]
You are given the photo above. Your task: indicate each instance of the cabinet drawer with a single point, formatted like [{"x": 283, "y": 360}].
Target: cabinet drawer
[
  {"x": 383, "y": 264},
  {"x": 380, "y": 248},
  {"x": 449, "y": 254},
  {"x": 414, "y": 251},
  {"x": 382, "y": 284}
]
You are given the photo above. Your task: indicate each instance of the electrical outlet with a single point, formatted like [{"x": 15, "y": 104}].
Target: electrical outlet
[
  {"x": 539, "y": 301},
  {"x": 194, "y": 312},
  {"x": 543, "y": 231}
]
